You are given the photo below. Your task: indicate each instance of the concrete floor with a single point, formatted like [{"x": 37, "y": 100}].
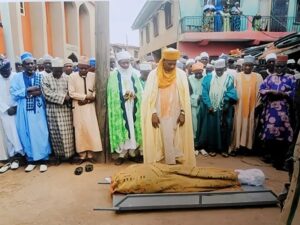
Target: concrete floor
[{"x": 59, "y": 197}]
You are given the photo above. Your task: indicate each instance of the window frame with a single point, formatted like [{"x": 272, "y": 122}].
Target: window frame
[
  {"x": 168, "y": 15},
  {"x": 155, "y": 25},
  {"x": 22, "y": 8},
  {"x": 148, "y": 33}
]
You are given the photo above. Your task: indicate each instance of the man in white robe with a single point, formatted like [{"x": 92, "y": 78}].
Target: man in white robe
[{"x": 8, "y": 109}]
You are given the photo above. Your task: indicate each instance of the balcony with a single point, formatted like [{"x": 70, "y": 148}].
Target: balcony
[{"x": 239, "y": 24}]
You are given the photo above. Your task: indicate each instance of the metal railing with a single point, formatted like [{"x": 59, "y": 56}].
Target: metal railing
[{"x": 238, "y": 23}]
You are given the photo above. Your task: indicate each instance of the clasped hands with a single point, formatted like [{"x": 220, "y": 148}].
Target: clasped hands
[
  {"x": 88, "y": 99},
  {"x": 33, "y": 91},
  {"x": 129, "y": 96},
  {"x": 155, "y": 120}
]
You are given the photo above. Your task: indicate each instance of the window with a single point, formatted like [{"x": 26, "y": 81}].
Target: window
[
  {"x": 297, "y": 19},
  {"x": 155, "y": 25},
  {"x": 168, "y": 15},
  {"x": 22, "y": 8},
  {"x": 147, "y": 34},
  {"x": 141, "y": 37}
]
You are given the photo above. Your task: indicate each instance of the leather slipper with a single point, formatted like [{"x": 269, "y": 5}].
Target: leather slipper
[
  {"x": 78, "y": 170},
  {"x": 89, "y": 168}
]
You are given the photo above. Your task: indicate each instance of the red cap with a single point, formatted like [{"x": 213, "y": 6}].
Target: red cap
[{"x": 282, "y": 58}]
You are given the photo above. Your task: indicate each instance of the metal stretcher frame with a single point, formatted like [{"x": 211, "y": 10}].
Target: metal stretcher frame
[{"x": 249, "y": 197}]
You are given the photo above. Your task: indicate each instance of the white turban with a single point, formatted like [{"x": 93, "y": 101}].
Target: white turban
[
  {"x": 271, "y": 56},
  {"x": 123, "y": 55},
  {"x": 57, "y": 62},
  {"x": 220, "y": 63},
  {"x": 204, "y": 55}
]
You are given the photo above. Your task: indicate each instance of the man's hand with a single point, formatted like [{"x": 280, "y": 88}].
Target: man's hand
[
  {"x": 33, "y": 88},
  {"x": 36, "y": 93},
  {"x": 82, "y": 102},
  {"x": 155, "y": 120},
  {"x": 12, "y": 110},
  {"x": 181, "y": 119},
  {"x": 90, "y": 98}
]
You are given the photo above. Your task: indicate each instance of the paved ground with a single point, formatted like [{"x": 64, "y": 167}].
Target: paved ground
[{"x": 59, "y": 197}]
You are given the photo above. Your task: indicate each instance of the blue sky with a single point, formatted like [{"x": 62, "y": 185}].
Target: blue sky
[{"x": 122, "y": 15}]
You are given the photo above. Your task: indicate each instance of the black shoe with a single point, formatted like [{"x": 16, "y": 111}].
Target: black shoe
[
  {"x": 78, "y": 171},
  {"x": 89, "y": 168},
  {"x": 119, "y": 161},
  {"x": 137, "y": 159}
]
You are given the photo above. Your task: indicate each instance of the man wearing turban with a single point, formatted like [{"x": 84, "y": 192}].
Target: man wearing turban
[
  {"x": 166, "y": 114},
  {"x": 124, "y": 94}
]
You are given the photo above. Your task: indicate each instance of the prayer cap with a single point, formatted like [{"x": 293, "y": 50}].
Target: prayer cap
[
  {"x": 249, "y": 59},
  {"x": 92, "y": 62},
  {"x": 145, "y": 66},
  {"x": 240, "y": 62},
  {"x": 197, "y": 66},
  {"x": 123, "y": 55},
  {"x": 68, "y": 61},
  {"x": 47, "y": 58},
  {"x": 26, "y": 55},
  {"x": 291, "y": 61},
  {"x": 209, "y": 67},
  {"x": 190, "y": 62},
  {"x": 204, "y": 55},
  {"x": 197, "y": 58},
  {"x": 149, "y": 58},
  {"x": 171, "y": 54},
  {"x": 223, "y": 56},
  {"x": 282, "y": 58},
  {"x": 83, "y": 60},
  {"x": 271, "y": 56},
  {"x": 220, "y": 63},
  {"x": 40, "y": 61},
  {"x": 57, "y": 62}
]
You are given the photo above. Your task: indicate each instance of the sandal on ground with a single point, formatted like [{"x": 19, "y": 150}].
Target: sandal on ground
[
  {"x": 6, "y": 167},
  {"x": 29, "y": 168},
  {"x": 89, "y": 168},
  {"x": 15, "y": 165},
  {"x": 43, "y": 168},
  {"x": 119, "y": 161},
  {"x": 233, "y": 154},
  {"x": 212, "y": 154},
  {"x": 225, "y": 155},
  {"x": 203, "y": 152},
  {"x": 78, "y": 170}
]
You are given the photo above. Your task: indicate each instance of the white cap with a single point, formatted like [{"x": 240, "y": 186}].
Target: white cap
[
  {"x": 271, "y": 56},
  {"x": 204, "y": 55},
  {"x": 240, "y": 62},
  {"x": 123, "y": 55},
  {"x": 145, "y": 66},
  {"x": 190, "y": 62},
  {"x": 220, "y": 63},
  {"x": 57, "y": 62},
  {"x": 249, "y": 59},
  {"x": 291, "y": 61},
  {"x": 47, "y": 57}
]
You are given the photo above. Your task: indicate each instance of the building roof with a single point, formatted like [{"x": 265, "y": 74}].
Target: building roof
[{"x": 150, "y": 7}]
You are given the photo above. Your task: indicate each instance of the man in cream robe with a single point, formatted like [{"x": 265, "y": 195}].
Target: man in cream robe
[
  {"x": 82, "y": 90},
  {"x": 247, "y": 85},
  {"x": 166, "y": 114}
]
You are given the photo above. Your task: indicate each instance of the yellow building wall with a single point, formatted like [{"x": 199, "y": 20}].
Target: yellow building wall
[{"x": 26, "y": 28}]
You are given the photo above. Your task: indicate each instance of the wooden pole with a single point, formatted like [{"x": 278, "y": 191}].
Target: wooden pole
[{"x": 102, "y": 72}]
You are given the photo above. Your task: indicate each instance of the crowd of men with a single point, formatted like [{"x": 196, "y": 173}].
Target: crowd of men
[{"x": 166, "y": 112}]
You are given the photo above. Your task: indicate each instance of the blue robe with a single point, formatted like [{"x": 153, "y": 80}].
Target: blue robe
[
  {"x": 31, "y": 118},
  {"x": 216, "y": 127}
]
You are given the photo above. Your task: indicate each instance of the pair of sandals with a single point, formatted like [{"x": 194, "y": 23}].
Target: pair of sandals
[
  {"x": 88, "y": 168},
  {"x": 11, "y": 165},
  {"x": 205, "y": 154}
]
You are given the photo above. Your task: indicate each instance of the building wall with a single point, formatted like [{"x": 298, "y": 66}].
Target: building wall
[
  {"x": 166, "y": 36},
  {"x": 51, "y": 28}
]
